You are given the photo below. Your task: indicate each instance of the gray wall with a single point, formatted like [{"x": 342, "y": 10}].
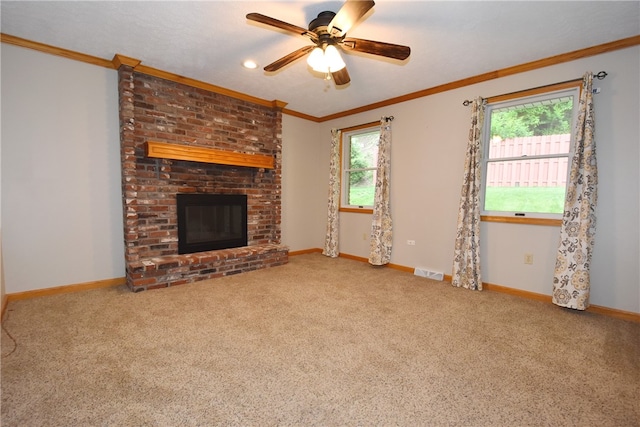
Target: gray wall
[
  {"x": 61, "y": 204},
  {"x": 428, "y": 147},
  {"x": 60, "y": 147}
]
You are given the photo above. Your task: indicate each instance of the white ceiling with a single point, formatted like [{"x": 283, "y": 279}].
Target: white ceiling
[{"x": 208, "y": 40}]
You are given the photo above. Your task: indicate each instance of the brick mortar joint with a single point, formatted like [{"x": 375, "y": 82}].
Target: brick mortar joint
[{"x": 220, "y": 255}]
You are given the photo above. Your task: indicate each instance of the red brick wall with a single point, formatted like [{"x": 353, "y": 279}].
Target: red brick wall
[{"x": 160, "y": 110}]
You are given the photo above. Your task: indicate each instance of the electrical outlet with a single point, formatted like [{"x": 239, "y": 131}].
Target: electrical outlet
[
  {"x": 364, "y": 236},
  {"x": 528, "y": 258},
  {"x": 411, "y": 242}
]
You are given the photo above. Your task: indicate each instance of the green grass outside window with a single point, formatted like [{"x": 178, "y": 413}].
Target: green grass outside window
[{"x": 525, "y": 199}]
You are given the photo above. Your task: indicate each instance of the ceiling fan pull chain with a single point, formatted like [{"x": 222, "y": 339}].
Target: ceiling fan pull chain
[{"x": 327, "y": 84}]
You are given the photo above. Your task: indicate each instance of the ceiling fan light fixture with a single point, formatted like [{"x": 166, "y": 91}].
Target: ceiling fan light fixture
[
  {"x": 333, "y": 59},
  {"x": 327, "y": 61},
  {"x": 316, "y": 60}
]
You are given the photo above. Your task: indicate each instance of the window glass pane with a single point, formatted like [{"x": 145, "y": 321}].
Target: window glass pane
[
  {"x": 527, "y": 144},
  {"x": 364, "y": 150},
  {"x": 361, "y": 188},
  {"x": 534, "y": 185},
  {"x": 537, "y": 145},
  {"x": 359, "y": 160},
  {"x": 520, "y": 130}
]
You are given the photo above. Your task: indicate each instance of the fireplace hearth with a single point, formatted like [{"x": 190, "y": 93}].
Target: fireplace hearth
[{"x": 211, "y": 221}]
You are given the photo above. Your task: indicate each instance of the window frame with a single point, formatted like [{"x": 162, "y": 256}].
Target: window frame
[
  {"x": 571, "y": 88},
  {"x": 344, "y": 135}
]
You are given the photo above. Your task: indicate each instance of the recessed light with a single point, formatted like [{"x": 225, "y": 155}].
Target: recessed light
[{"x": 249, "y": 64}]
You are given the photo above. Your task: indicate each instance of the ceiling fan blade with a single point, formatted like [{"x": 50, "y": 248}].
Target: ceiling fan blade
[
  {"x": 257, "y": 17},
  {"x": 389, "y": 50},
  {"x": 349, "y": 14},
  {"x": 341, "y": 77},
  {"x": 296, "y": 54}
]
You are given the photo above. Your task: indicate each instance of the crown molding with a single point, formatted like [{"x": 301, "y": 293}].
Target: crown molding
[
  {"x": 301, "y": 115},
  {"x": 528, "y": 66},
  {"x": 58, "y": 51},
  {"x": 207, "y": 86},
  {"x": 119, "y": 60}
]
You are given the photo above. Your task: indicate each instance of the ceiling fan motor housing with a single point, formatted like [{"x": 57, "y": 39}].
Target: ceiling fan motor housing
[
  {"x": 323, "y": 20},
  {"x": 319, "y": 27}
]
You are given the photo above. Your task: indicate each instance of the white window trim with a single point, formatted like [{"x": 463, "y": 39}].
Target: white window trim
[
  {"x": 345, "y": 154},
  {"x": 486, "y": 137}
]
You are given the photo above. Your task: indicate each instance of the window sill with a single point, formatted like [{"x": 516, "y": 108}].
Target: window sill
[
  {"x": 356, "y": 210},
  {"x": 529, "y": 221}
]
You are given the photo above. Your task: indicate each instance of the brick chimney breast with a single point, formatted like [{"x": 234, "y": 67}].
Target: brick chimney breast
[{"x": 154, "y": 109}]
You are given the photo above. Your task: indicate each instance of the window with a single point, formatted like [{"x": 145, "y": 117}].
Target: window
[
  {"x": 527, "y": 145},
  {"x": 359, "y": 160}
]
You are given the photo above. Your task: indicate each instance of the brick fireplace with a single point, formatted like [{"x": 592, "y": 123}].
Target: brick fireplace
[{"x": 155, "y": 112}]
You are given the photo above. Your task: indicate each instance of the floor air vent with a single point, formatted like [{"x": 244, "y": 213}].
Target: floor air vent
[{"x": 423, "y": 272}]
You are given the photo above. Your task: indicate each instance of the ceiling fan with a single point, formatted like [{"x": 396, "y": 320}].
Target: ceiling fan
[{"x": 329, "y": 31}]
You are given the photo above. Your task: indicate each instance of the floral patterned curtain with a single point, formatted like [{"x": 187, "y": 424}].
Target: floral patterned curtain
[
  {"x": 466, "y": 259},
  {"x": 382, "y": 226},
  {"x": 571, "y": 280},
  {"x": 333, "y": 223}
]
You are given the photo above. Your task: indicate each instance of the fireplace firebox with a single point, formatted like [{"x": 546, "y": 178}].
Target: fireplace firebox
[{"x": 209, "y": 222}]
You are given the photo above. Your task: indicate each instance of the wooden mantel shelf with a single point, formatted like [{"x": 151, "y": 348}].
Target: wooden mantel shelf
[{"x": 165, "y": 150}]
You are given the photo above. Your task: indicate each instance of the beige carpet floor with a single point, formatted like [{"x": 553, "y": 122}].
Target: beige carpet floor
[{"x": 317, "y": 342}]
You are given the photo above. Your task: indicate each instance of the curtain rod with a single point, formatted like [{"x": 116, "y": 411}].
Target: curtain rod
[
  {"x": 366, "y": 125},
  {"x": 601, "y": 75}
]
